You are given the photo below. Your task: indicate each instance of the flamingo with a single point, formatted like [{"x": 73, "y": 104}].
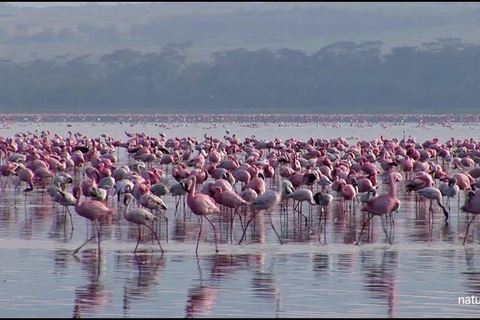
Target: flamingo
[
  {"x": 301, "y": 195},
  {"x": 287, "y": 188},
  {"x": 26, "y": 175},
  {"x": 97, "y": 193},
  {"x": 66, "y": 199},
  {"x": 433, "y": 193},
  {"x": 248, "y": 194},
  {"x": 472, "y": 205},
  {"x": 348, "y": 192},
  {"x": 323, "y": 200},
  {"x": 265, "y": 201},
  {"x": 121, "y": 187},
  {"x": 201, "y": 205},
  {"x": 324, "y": 182},
  {"x": 94, "y": 211},
  {"x": 153, "y": 202},
  {"x": 230, "y": 200},
  {"x": 450, "y": 190},
  {"x": 159, "y": 189},
  {"x": 7, "y": 170},
  {"x": 62, "y": 179},
  {"x": 178, "y": 191},
  {"x": 368, "y": 196},
  {"x": 258, "y": 184},
  {"x": 140, "y": 217},
  {"x": 383, "y": 204}
]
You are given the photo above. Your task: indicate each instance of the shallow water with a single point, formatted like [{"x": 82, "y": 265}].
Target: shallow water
[{"x": 317, "y": 272}]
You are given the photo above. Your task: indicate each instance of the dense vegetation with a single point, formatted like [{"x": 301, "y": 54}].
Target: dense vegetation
[
  {"x": 438, "y": 77},
  {"x": 258, "y": 57}
]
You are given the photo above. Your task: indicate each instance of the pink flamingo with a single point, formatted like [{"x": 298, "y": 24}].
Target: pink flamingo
[
  {"x": 150, "y": 201},
  {"x": 301, "y": 195},
  {"x": 266, "y": 201},
  {"x": 7, "y": 170},
  {"x": 383, "y": 204},
  {"x": 94, "y": 211},
  {"x": 348, "y": 192},
  {"x": 65, "y": 199},
  {"x": 140, "y": 217},
  {"x": 230, "y": 200},
  {"x": 471, "y": 206},
  {"x": 26, "y": 175},
  {"x": 449, "y": 189},
  {"x": 365, "y": 184},
  {"x": 78, "y": 160},
  {"x": 369, "y": 168},
  {"x": 242, "y": 175},
  {"x": 323, "y": 200},
  {"x": 463, "y": 182},
  {"x": 43, "y": 174},
  {"x": 178, "y": 192},
  {"x": 433, "y": 193},
  {"x": 248, "y": 194},
  {"x": 201, "y": 205},
  {"x": 257, "y": 184},
  {"x": 406, "y": 166}
]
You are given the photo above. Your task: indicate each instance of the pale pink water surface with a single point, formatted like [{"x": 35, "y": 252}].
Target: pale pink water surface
[{"x": 317, "y": 272}]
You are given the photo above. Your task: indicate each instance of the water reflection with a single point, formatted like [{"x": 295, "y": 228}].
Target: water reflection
[
  {"x": 60, "y": 261},
  {"x": 142, "y": 283},
  {"x": 472, "y": 275},
  {"x": 321, "y": 264},
  {"x": 9, "y": 218},
  {"x": 179, "y": 230},
  {"x": 346, "y": 262},
  {"x": 201, "y": 297},
  {"x": 59, "y": 230},
  {"x": 90, "y": 298},
  {"x": 224, "y": 265},
  {"x": 256, "y": 230},
  {"x": 265, "y": 284},
  {"x": 380, "y": 276},
  {"x": 337, "y": 268},
  {"x": 343, "y": 224},
  {"x": 37, "y": 219}
]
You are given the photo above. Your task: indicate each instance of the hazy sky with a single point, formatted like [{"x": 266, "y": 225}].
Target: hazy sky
[{"x": 49, "y": 4}]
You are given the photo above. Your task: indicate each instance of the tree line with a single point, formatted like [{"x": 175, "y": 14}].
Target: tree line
[{"x": 442, "y": 76}]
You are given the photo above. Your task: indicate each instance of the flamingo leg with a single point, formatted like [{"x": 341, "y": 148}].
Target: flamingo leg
[
  {"x": 199, "y": 233},
  {"x": 246, "y": 226},
  {"x": 75, "y": 252},
  {"x": 166, "y": 224},
  {"x": 320, "y": 210},
  {"x": 156, "y": 237},
  {"x": 466, "y": 232},
  {"x": 273, "y": 227},
  {"x": 98, "y": 236},
  {"x": 138, "y": 239},
  {"x": 363, "y": 227},
  {"x": 384, "y": 224},
  {"x": 177, "y": 202},
  {"x": 214, "y": 233},
  {"x": 298, "y": 209},
  {"x": 231, "y": 225},
  {"x": 71, "y": 219}
]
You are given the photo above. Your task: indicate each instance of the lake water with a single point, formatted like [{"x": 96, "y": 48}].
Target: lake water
[{"x": 317, "y": 272}]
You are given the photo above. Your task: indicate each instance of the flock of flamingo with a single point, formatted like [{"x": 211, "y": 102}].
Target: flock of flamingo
[{"x": 228, "y": 177}]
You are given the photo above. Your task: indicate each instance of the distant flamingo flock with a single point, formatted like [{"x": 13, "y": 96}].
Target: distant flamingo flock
[{"x": 238, "y": 180}]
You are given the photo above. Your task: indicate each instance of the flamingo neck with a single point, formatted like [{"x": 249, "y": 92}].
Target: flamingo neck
[
  {"x": 393, "y": 186},
  {"x": 192, "y": 187}
]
